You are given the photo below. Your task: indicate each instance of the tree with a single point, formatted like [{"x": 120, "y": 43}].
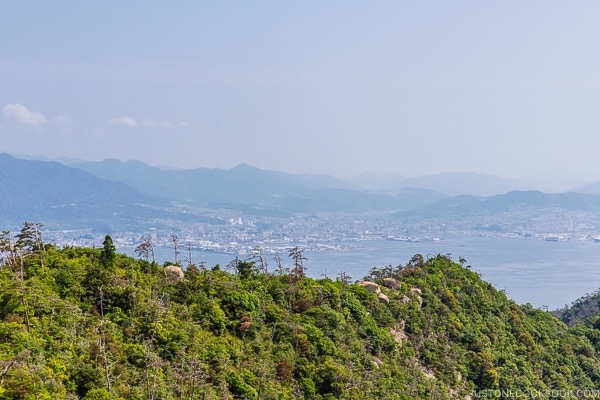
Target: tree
[
  {"x": 30, "y": 237},
  {"x": 29, "y": 240},
  {"x": 345, "y": 278},
  {"x": 175, "y": 240},
  {"x": 108, "y": 254},
  {"x": 243, "y": 269},
  {"x": 7, "y": 249},
  {"x": 279, "y": 268},
  {"x": 146, "y": 248},
  {"x": 297, "y": 254},
  {"x": 100, "y": 275},
  {"x": 257, "y": 256},
  {"x": 190, "y": 260}
]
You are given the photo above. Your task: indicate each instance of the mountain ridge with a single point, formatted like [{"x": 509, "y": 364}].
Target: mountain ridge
[
  {"x": 94, "y": 324},
  {"x": 43, "y": 191},
  {"x": 63, "y": 197},
  {"x": 245, "y": 185}
]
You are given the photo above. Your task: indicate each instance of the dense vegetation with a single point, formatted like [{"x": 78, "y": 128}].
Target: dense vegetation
[
  {"x": 584, "y": 310},
  {"x": 93, "y": 324}
]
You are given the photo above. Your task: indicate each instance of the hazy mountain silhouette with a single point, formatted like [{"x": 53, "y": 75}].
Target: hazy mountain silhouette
[
  {"x": 58, "y": 195},
  {"x": 129, "y": 195},
  {"x": 466, "y": 205},
  {"x": 459, "y": 183},
  {"x": 590, "y": 188},
  {"x": 248, "y": 185}
]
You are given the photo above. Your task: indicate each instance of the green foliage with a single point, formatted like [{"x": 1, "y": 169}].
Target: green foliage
[
  {"x": 583, "y": 309},
  {"x": 238, "y": 387},
  {"x": 98, "y": 394},
  {"x": 108, "y": 253},
  {"x": 94, "y": 324}
]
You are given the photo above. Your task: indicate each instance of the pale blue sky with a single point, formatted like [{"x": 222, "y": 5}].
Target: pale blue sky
[{"x": 509, "y": 88}]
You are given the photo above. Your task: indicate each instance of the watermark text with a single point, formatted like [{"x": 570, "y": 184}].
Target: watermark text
[{"x": 536, "y": 394}]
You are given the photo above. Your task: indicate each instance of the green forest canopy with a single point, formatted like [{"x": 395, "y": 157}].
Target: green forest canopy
[{"x": 81, "y": 323}]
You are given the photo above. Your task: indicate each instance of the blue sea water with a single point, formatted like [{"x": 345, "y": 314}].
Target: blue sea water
[{"x": 545, "y": 274}]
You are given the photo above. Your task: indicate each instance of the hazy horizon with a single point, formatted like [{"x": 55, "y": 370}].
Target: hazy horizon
[
  {"x": 370, "y": 180},
  {"x": 343, "y": 88}
]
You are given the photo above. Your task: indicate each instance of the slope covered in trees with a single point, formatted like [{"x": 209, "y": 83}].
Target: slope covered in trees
[
  {"x": 584, "y": 310},
  {"x": 93, "y": 324}
]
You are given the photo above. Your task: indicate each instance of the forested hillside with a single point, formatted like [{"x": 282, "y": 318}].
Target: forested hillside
[
  {"x": 93, "y": 324},
  {"x": 585, "y": 310}
]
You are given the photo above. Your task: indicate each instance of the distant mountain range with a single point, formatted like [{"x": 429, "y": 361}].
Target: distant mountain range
[
  {"x": 115, "y": 195},
  {"x": 51, "y": 192},
  {"x": 513, "y": 201},
  {"x": 247, "y": 185},
  {"x": 459, "y": 183},
  {"x": 63, "y": 197},
  {"x": 451, "y": 183},
  {"x": 590, "y": 188}
]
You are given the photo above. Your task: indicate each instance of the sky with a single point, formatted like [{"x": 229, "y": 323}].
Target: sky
[{"x": 508, "y": 88}]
